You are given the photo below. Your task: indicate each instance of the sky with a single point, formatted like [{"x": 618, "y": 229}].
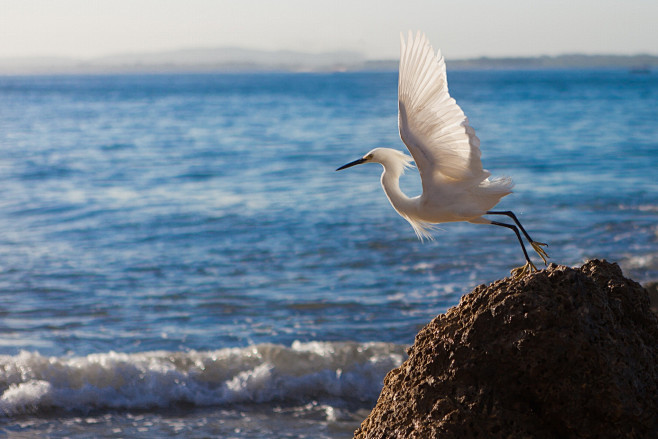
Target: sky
[{"x": 461, "y": 28}]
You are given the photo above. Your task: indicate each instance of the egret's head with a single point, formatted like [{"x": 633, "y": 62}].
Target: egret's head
[{"x": 384, "y": 156}]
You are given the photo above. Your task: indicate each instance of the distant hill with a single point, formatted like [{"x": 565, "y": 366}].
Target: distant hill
[
  {"x": 572, "y": 61},
  {"x": 231, "y": 59},
  {"x": 227, "y": 59}
]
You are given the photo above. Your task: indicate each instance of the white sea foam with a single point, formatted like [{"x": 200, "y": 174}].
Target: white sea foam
[
  {"x": 349, "y": 372},
  {"x": 647, "y": 261}
]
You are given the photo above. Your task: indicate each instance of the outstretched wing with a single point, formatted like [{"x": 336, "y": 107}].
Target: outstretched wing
[{"x": 432, "y": 125}]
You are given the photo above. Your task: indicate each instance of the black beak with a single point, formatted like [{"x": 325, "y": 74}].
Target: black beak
[{"x": 354, "y": 163}]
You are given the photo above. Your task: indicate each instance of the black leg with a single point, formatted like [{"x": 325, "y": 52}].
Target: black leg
[
  {"x": 537, "y": 246},
  {"x": 510, "y": 214},
  {"x": 518, "y": 235}
]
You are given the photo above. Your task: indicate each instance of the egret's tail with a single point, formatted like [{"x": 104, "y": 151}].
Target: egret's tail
[{"x": 498, "y": 186}]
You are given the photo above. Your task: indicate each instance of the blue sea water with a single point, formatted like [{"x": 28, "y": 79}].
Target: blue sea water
[{"x": 178, "y": 256}]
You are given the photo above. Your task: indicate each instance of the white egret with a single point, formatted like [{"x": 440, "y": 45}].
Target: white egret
[{"x": 446, "y": 151}]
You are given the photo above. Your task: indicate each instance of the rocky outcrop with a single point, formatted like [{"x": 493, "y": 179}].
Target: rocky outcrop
[
  {"x": 565, "y": 352},
  {"x": 652, "y": 289}
]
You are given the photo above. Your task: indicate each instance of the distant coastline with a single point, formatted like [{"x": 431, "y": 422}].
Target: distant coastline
[{"x": 245, "y": 60}]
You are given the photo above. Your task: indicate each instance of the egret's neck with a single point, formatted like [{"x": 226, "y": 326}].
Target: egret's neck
[{"x": 391, "y": 183}]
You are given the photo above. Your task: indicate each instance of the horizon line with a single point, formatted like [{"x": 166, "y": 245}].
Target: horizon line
[{"x": 146, "y": 53}]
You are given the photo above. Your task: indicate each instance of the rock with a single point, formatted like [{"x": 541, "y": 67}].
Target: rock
[
  {"x": 652, "y": 289},
  {"x": 565, "y": 352}
]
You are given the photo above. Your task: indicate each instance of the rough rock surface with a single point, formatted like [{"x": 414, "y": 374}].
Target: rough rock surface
[
  {"x": 562, "y": 353},
  {"x": 652, "y": 289}
]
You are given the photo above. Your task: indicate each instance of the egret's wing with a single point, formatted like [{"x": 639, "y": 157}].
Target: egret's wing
[{"x": 432, "y": 125}]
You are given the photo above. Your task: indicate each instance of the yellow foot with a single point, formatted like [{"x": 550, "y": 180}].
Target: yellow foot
[
  {"x": 519, "y": 272},
  {"x": 540, "y": 251}
]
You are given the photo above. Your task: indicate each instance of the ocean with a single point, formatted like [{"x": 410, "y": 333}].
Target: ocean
[{"x": 179, "y": 258}]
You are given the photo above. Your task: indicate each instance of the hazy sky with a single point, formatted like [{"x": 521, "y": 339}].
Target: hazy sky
[{"x": 462, "y": 28}]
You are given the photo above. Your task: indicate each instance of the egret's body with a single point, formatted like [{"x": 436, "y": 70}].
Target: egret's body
[{"x": 445, "y": 149}]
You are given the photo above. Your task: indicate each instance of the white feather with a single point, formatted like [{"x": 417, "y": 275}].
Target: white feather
[{"x": 432, "y": 125}]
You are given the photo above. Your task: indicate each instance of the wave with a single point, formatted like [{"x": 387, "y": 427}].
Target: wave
[{"x": 343, "y": 372}]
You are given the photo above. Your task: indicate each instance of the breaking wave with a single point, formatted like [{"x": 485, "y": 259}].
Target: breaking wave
[{"x": 339, "y": 372}]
